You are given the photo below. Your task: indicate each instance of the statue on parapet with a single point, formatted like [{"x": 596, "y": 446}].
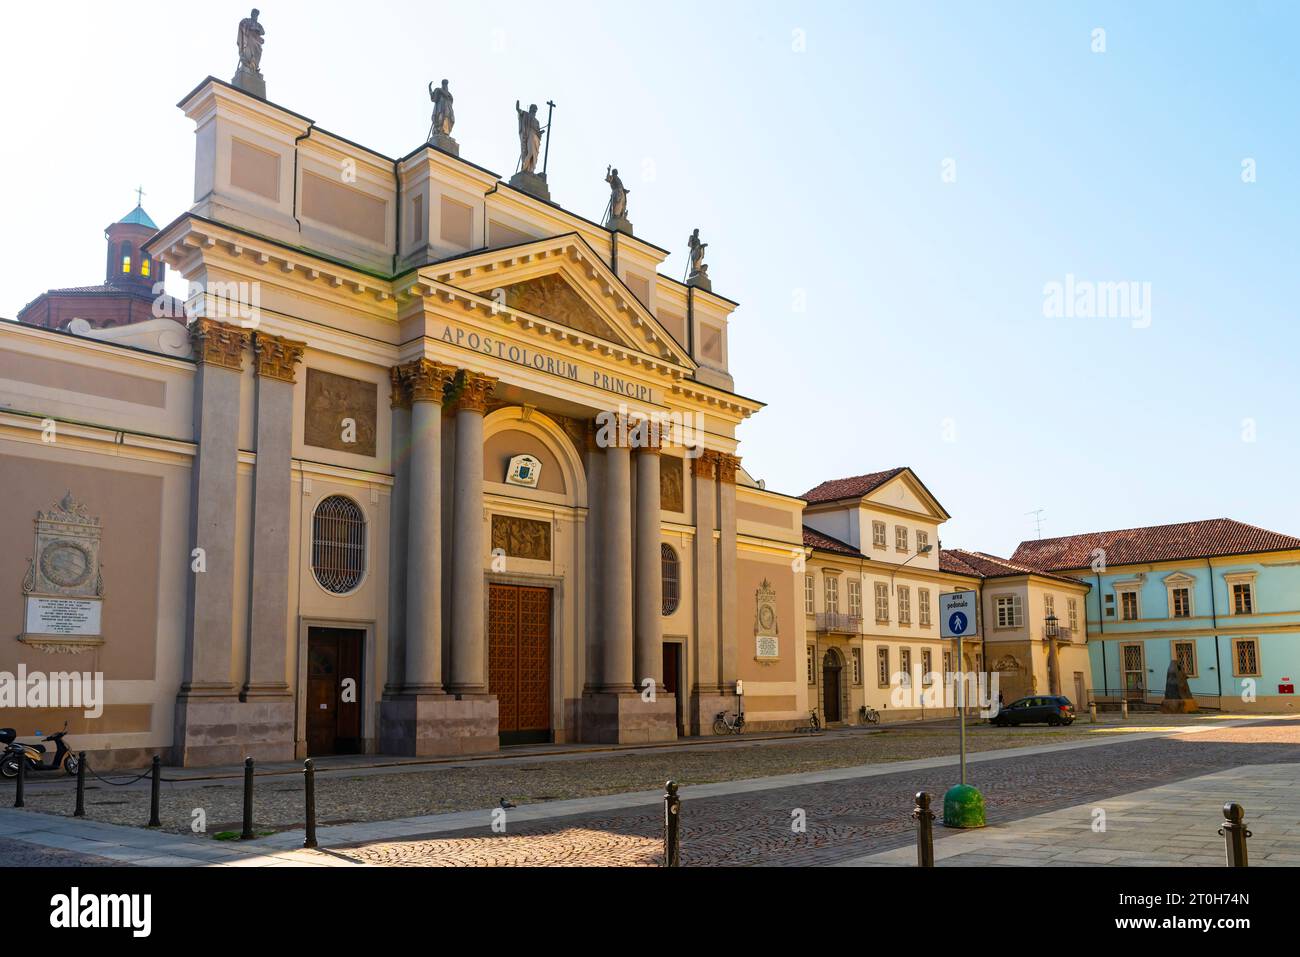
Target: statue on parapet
[
  {"x": 617, "y": 219},
  {"x": 251, "y": 36},
  {"x": 698, "y": 273},
  {"x": 444, "y": 118}
]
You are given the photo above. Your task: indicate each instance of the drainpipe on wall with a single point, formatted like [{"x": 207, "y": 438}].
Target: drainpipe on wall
[
  {"x": 297, "y": 140},
  {"x": 1214, "y": 615},
  {"x": 1101, "y": 624}
]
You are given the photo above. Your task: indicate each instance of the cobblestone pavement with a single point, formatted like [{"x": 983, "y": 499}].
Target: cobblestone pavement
[
  {"x": 21, "y": 854},
  {"x": 384, "y": 794},
  {"x": 845, "y": 819}
]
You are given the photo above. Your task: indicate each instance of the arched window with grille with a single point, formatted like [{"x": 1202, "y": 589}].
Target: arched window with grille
[
  {"x": 672, "y": 575},
  {"x": 338, "y": 544}
]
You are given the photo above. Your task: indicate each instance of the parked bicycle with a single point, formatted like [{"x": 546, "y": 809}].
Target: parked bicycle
[
  {"x": 729, "y": 722},
  {"x": 868, "y": 715},
  {"x": 814, "y": 722}
]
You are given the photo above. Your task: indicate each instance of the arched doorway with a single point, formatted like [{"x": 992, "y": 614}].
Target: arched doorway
[{"x": 832, "y": 671}]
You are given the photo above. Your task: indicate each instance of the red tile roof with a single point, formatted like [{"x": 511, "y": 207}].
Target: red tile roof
[
  {"x": 855, "y": 487},
  {"x": 823, "y": 542},
  {"x": 982, "y": 565},
  {"x": 1155, "y": 543}
]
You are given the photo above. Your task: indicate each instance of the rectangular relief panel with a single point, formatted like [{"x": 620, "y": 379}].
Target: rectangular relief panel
[{"x": 340, "y": 413}]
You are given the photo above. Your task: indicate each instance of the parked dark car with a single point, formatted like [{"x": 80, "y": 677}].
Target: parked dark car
[{"x": 1036, "y": 709}]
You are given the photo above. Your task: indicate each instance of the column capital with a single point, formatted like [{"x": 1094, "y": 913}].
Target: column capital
[
  {"x": 218, "y": 343},
  {"x": 400, "y": 396},
  {"x": 276, "y": 356},
  {"x": 426, "y": 380},
  {"x": 704, "y": 465},
  {"x": 727, "y": 465},
  {"x": 472, "y": 391}
]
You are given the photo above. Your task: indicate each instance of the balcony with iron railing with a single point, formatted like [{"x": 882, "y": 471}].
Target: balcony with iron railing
[{"x": 835, "y": 623}]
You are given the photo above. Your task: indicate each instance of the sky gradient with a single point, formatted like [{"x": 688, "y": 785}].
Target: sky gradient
[{"x": 888, "y": 316}]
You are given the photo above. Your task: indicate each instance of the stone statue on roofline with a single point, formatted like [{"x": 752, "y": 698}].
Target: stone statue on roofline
[
  {"x": 698, "y": 273},
  {"x": 444, "y": 118},
  {"x": 617, "y": 219},
  {"x": 249, "y": 41}
]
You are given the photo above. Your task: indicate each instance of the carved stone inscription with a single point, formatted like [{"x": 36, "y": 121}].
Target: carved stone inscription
[
  {"x": 521, "y": 537},
  {"x": 340, "y": 413}
]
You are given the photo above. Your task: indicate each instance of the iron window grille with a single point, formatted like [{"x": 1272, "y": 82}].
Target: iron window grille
[{"x": 338, "y": 547}]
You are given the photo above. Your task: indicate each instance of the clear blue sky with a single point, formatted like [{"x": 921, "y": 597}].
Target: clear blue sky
[{"x": 816, "y": 171}]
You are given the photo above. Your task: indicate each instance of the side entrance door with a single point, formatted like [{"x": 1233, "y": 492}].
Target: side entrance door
[
  {"x": 519, "y": 661},
  {"x": 1134, "y": 672},
  {"x": 673, "y": 678},
  {"x": 831, "y": 670},
  {"x": 334, "y": 690}
]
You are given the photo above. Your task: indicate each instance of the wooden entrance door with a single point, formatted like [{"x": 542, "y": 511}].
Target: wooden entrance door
[
  {"x": 334, "y": 690},
  {"x": 673, "y": 678},
  {"x": 831, "y": 669},
  {"x": 519, "y": 661}
]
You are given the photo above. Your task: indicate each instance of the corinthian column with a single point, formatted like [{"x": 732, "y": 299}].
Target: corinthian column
[
  {"x": 426, "y": 380},
  {"x": 616, "y": 606},
  {"x": 648, "y": 651},
  {"x": 468, "y": 634}
]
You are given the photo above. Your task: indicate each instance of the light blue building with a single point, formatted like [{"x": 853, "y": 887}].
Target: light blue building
[{"x": 1222, "y": 596}]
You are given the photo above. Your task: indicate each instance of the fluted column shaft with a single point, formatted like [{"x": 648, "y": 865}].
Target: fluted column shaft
[
  {"x": 468, "y": 626},
  {"x": 648, "y": 650},
  {"x": 426, "y": 381}
]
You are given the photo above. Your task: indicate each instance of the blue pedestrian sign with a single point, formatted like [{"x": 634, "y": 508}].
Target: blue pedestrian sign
[{"x": 958, "y": 614}]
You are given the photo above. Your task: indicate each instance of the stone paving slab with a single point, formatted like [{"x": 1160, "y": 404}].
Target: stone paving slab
[
  {"x": 1184, "y": 834},
  {"x": 748, "y": 821}
]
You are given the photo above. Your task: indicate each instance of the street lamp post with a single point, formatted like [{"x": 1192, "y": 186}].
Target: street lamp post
[{"x": 1051, "y": 630}]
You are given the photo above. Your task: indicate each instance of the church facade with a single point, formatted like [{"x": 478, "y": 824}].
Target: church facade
[{"x": 441, "y": 467}]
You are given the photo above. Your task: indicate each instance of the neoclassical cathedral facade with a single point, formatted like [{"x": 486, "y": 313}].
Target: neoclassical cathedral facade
[{"x": 439, "y": 467}]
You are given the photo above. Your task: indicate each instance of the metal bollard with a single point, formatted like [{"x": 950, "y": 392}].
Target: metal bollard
[
  {"x": 1123, "y": 708},
  {"x": 21, "y": 786},
  {"x": 1234, "y": 833},
  {"x": 672, "y": 823},
  {"x": 81, "y": 785},
  {"x": 247, "y": 833},
  {"x": 1092, "y": 712},
  {"x": 155, "y": 787},
  {"x": 924, "y": 818},
  {"x": 309, "y": 788}
]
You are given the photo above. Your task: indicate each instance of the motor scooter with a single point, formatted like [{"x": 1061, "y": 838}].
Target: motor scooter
[{"x": 37, "y": 756}]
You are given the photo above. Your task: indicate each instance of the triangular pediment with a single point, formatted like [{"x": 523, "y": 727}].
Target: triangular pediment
[
  {"x": 563, "y": 281},
  {"x": 905, "y": 492},
  {"x": 552, "y": 296}
]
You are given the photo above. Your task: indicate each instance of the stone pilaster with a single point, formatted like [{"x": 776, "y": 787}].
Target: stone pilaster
[
  {"x": 398, "y": 539},
  {"x": 727, "y": 581},
  {"x": 207, "y": 707},
  {"x": 706, "y": 692},
  {"x": 267, "y": 687},
  {"x": 469, "y": 631}
]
